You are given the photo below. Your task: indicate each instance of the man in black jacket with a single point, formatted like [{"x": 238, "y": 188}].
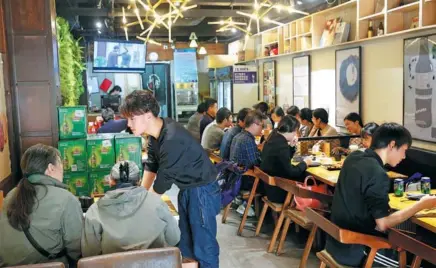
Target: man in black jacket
[{"x": 175, "y": 157}]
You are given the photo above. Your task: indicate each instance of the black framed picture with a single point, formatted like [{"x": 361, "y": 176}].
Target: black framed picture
[
  {"x": 269, "y": 83},
  {"x": 348, "y": 83},
  {"x": 301, "y": 81},
  {"x": 419, "y": 105}
]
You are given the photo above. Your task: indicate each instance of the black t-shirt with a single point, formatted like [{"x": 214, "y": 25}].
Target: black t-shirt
[
  {"x": 361, "y": 197},
  {"x": 178, "y": 158}
]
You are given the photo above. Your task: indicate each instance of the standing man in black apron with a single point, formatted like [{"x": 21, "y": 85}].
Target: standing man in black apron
[{"x": 174, "y": 156}]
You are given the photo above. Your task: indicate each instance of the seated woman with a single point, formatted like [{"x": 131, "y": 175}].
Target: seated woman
[
  {"x": 40, "y": 208},
  {"x": 276, "y": 157},
  {"x": 128, "y": 217},
  {"x": 306, "y": 122},
  {"x": 354, "y": 125},
  {"x": 277, "y": 115},
  {"x": 367, "y": 132},
  {"x": 321, "y": 128}
]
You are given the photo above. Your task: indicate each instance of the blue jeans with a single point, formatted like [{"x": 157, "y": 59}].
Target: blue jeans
[{"x": 198, "y": 208}]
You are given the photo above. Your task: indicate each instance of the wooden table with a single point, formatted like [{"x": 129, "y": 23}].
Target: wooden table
[
  {"x": 330, "y": 177},
  {"x": 399, "y": 203}
]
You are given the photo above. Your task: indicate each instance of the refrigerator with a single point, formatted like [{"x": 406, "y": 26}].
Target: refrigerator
[
  {"x": 224, "y": 87},
  {"x": 156, "y": 79},
  {"x": 213, "y": 84}
]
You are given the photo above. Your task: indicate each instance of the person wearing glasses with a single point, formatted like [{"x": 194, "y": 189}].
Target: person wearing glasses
[{"x": 243, "y": 150}]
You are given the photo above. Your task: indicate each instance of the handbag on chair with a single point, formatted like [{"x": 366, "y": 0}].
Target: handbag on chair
[{"x": 302, "y": 203}]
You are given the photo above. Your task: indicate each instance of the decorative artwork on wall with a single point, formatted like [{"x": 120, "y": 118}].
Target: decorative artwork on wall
[
  {"x": 348, "y": 83},
  {"x": 269, "y": 83},
  {"x": 301, "y": 75},
  {"x": 419, "y": 82}
]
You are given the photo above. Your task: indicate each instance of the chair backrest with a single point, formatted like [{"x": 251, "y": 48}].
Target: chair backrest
[
  {"x": 41, "y": 265},
  {"x": 149, "y": 258},
  {"x": 264, "y": 177},
  {"x": 214, "y": 158},
  {"x": 346, "y": 236},
  {"x": 412, "y": 245},
  {"x": 1, "y": 201},
  {"x": 292, "y": 187}
]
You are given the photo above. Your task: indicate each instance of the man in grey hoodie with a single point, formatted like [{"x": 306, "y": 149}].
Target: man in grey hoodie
[{"x": 111, "y": 224}]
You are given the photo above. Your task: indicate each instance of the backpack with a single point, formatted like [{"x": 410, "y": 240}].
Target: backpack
[{"x": 229, "y": 180}]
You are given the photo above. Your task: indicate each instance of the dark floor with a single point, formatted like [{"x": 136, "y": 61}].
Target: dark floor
[{"x": 248, "y": 251}]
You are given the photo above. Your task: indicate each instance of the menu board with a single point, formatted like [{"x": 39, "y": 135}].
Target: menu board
[
  {"x": 5, "y": 157},
  {"x": 186, "y": 79}
]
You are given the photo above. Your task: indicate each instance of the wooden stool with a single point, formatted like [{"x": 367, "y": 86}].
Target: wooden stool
[
  {"x": 420, "y": 250},
  {"x": 297, "y": 216},
  {"x": 345, "y": 237},
  {"x": 274, "y": 206}
]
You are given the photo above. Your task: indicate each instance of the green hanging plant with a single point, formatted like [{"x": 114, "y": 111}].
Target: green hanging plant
[{"x": 71, "y": 64}]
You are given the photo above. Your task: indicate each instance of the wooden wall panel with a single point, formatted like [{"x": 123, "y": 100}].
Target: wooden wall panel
[
  {"x": 27, "y": 142},
  {"x": 32, "y": 98},
  {"x": 30, "y": 54},
  {"x": 31, "y": 43},
  {"x": 2, "y": 29},
  {"x": 29, "y": 15}
]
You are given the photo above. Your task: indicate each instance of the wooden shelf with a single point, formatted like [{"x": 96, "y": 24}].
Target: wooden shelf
[
  {"x": 304, "y": 34},
  {"x": 377, "y": 16},
  {"x": 406, "y": 8},
  {"x": 349, "y": 4}
]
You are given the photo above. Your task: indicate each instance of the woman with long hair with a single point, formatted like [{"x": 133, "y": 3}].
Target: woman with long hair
[
  {"x": 41, "y": 221},
  {"x": 276, "y": 157}
]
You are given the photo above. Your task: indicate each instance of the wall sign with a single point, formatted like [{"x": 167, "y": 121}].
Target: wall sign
[{"x": 244, "y": 74}]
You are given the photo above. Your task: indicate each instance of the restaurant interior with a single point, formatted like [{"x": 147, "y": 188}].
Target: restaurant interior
[{"x": 327, "y": 75}]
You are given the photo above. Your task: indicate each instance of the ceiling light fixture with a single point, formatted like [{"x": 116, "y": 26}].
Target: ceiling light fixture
[
  {"x": 98, "y": 24},
  {"x": 139, "y": 18},
  {"x": 124, "y": 16},
  {"x": 260, "y": 12},
  {"x": 175, "y": 7},
  {"x": 144, "y": 5},
  {"x": 202, "y": 51},
  {"x": 193, "y": 43},
  {"x": 125, "y": 32},
  {"x": 233, "y": 30},
  {"x": 299, "y": 2}
]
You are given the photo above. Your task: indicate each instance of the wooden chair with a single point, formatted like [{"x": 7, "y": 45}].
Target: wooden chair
[
  {"x": 214, "y": 157},
  {"x": 1, "y": 201},
  {"x": 41, "y": 265},
  {"x": 420, "y": 250},
  {"x": 276, "y": 207},
  {"x": 246, "y": 195},
  {"x": 162, "y": 257},
  {"x": 298, "y": 217},
  {"x": 345, "y": 237}
]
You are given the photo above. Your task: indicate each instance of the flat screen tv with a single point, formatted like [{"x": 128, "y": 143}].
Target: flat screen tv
[{"x": 119, "y": 56}]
